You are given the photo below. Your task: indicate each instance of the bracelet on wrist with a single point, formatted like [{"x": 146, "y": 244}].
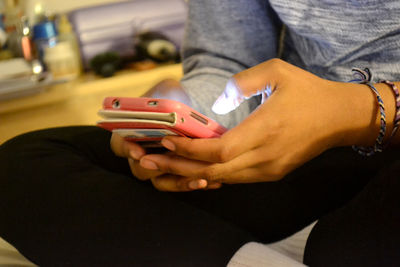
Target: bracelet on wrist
[
  {"x": 396, "y": 122},
  {"x": 364, "y": 77}
]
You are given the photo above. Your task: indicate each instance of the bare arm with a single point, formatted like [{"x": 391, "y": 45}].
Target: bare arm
[{"x": 305, "y": 116}]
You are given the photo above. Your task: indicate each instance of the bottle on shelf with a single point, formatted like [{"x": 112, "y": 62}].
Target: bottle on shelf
[
  {"x": 44, "y": 35},
  {"x": 61, "y": 61},
  {"x": 67, "y": 35}
]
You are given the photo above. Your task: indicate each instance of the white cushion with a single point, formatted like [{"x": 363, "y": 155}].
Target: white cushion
[{"x": 287, "y": 252}]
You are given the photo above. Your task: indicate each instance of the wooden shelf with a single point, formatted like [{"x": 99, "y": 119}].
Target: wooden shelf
[{"x": 76, "y": 102}]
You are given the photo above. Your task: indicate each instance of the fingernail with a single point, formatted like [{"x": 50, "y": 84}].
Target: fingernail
[
  {"x": 168, "y": 144},
  {"x": 135, "y": 154},
  {"x": 198, "y": 184},
  {"x": 148, "y": 164}
]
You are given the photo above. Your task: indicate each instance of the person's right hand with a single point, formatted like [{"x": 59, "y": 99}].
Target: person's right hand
[{"x": 303, "y": 117}]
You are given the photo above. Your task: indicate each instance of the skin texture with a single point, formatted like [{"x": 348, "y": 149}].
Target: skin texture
[{"x": 304, "y": 116}]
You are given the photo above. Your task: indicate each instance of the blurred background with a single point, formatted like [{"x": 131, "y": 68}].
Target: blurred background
[{"x": 59, "y": 59}]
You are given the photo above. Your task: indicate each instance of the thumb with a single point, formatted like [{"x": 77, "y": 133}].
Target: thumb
[{"x": 244, "y": 85}]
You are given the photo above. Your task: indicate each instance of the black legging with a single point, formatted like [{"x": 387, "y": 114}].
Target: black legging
[{"x": 65, "y": 199}]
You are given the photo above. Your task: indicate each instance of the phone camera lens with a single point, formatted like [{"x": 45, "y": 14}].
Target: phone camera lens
[{"x": 116, "y": 104}]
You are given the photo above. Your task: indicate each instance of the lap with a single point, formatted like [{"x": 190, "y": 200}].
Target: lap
[
  {"x": 365, "y": 231},
  {"x": 66, "y": 199},
  {"x": 82, "y": 202}
]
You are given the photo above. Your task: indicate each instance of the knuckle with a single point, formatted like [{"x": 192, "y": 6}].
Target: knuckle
[
  {"x": 224, "y": 154},
  {"x": 158, "y": 185},
  {"x": 182, "y": 184},
  {"x": 277, "y": 172},
  {"x": 141, "y": 173},
  {"x": 277, "y": 65},
  {"x": 210, "y": 174},
  {"x": 276, "y": 62},
  {"x": 238, "y": 76},
  {"x": 168, "y": 165},
  {"x": 168, "y": 169}
]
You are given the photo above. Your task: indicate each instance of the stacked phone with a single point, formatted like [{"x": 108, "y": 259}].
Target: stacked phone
[{"x": 150, "y": 119}]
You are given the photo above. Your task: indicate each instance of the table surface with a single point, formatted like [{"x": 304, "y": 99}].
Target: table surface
[{"x": 76, "y": 102}]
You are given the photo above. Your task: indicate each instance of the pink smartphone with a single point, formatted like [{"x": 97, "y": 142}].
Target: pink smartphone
[{"x": 150, "y": 119}]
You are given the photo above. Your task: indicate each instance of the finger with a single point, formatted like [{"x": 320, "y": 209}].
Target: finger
[
  {"x": 254, "y": 80},
  {"x": 246, "y": 136},
  {"x": 250, "y": 167},
  {"x": 273, "y": 73},
  {"x": 208, "y": 149},
  {"x": 173, "y": 183},
  {"x": 251, "y": 175},
  {"x": 212, "y": 172},
  {"x": 260, "y": 164},
  {"x": 124, "y": 148},
  {"x": 140, "y": 172},
  {"x": 173, "y": 164},
  {"x": 188, "y": 167},
  {"x": 230, "y": 98},
  {"x": 258, "y": 80}
]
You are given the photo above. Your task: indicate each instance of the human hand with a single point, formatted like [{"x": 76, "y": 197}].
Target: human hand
[
  {"x": 161, "y": 180},
  {"x": 304, "y": 116},
  {"x": 134, "y": 152}
]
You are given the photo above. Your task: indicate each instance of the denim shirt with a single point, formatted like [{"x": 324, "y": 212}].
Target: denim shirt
[{"x": 325, "y": 37}]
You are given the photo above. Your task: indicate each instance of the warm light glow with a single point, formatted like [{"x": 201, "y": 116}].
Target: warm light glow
[
  {"x": 25, "y": 31},
  {"x": 38, "y": 9},
  {"x": 37, "y": 69}
]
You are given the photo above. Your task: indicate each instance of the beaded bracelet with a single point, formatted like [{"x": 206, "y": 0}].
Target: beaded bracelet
[
  {"x": 396, "y": 122},
  {"x": 364, "y": 77}
]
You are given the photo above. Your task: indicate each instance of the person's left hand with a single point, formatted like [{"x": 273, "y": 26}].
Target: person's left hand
[
  {"x": 132, "y": 151},
  {"x": 304, "y": 116}
]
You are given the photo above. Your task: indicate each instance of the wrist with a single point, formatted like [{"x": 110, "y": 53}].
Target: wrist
[{"x": 361, "y": 115}]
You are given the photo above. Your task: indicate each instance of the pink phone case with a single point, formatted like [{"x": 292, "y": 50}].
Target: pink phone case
[{"x": 150, "y": 119}]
